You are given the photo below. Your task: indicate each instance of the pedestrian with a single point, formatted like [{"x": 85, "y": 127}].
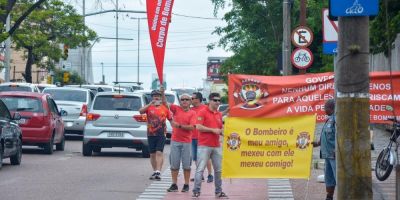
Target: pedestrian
[
  {"x": 197, "y": 105},
  {"x": 209, "y": 124},
  {"x": 157, "y": 113},
  {"x": 183, "y": 123},
  {"x": 327, "y": 142}
]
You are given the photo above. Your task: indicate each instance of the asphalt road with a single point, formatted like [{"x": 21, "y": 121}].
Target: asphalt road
[{"x": 117, "y": 173}]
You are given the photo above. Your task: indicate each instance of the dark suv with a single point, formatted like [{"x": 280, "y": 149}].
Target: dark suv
[{"x": 10, "y": 136}]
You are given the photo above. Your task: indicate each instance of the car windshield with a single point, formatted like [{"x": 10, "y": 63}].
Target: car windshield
[
  {"x": 23, "y": 104},
  {"x": 4, "y": 88},
  {"x": 170, "y": 98},
  {"x": 117, "y": 102},
  {"x": 67, "y": 95},
  {"x": 181, "y": 91}
]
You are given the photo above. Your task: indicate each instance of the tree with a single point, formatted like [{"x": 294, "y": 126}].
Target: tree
[
  {"x": 254, "y": 34},
  {"x": 6, "y": 7},
  {"x": 383, "y": 32},
  {"x": 74, "y": 78},
  {"x": 42, "y": 34}
]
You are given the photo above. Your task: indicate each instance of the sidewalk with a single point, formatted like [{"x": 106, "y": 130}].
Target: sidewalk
[{"x": 237, "y": 189}]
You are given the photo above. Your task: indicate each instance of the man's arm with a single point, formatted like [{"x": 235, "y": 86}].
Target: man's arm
[
  {"x": 143, "y": 109},
  {"x": 203, "y": 128}
]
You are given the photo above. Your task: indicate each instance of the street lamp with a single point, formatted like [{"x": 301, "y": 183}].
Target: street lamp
[
  {"x": 138, "y": 46},
  {"x": 102, "y": 74}
]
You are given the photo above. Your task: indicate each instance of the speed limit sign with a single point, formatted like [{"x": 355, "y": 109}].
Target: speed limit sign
[{"x": 302, "y": 58}]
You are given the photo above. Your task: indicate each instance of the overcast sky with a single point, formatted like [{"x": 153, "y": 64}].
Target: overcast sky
[{"x": 186, "y": 53}]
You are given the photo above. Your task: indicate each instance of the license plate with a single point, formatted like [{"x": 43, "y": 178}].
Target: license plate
[{"x": 115, "y": 134}]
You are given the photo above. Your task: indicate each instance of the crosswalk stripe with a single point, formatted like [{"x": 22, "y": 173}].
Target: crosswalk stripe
[{"x": 280, "y": 189}]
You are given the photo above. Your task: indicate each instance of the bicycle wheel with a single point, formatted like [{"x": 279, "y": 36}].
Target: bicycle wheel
[{"x": 383, "y": 168}]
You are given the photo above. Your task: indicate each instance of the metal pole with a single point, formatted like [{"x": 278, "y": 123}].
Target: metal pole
[
  {"x": 138, "y": 50},
  {"x": 83, "y": 70},
  {"x": 116, "y": 52},
  {"x": 286, "y": 46},
  {"x": 7, "y": 52},
  {"x": 303, "y": 22},
  {"x": 102, "y": 73}
]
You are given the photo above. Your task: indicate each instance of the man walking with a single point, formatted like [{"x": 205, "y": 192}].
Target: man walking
[
  {"x": 197, "y": 99},
  {"x": 327, "y": 142},
  {"x": 209, "y": 124},
  {"x": 183, "y": 124},
  {"x": 157, "y": 112}
]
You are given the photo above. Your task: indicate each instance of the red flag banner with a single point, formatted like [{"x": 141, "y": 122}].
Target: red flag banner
[
  {"x": 158, "y": 18},
  {"x": 278, "y": 96}
]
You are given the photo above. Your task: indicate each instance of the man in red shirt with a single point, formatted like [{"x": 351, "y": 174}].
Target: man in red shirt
[
  {"x": 183, "y": 124},
  {"x": 197, "y": 98},
  {"x": 209, "y": 124},
  {"x": 157, "y": 112}
]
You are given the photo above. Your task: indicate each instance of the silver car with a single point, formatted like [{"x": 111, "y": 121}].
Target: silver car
[
  {"x": 114, "y": 121},
  {"x": 13, "y": 86},
  {"x": 74, "y": 103}
]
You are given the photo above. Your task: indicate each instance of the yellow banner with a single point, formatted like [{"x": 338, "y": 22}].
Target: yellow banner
[{"x": 268, "y": 148}]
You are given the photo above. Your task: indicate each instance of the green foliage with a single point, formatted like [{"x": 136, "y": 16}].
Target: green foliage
[
  {"x": 383, "y": 32},
  {"x": 74, "y": 78},
  {"x": 45, "y": 30},
  {"x": 254, "y": 34}
]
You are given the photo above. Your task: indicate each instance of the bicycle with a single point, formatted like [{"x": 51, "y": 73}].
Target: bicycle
[{"x": 388, "y": 157}]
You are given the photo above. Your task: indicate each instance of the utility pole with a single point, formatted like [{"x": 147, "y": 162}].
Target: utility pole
[
  {"x": 116, "y": 52},
  {"x": 138, "y": 49},
  {"x": 353, "y": 154},
  {"x": 303, "y": 22},
  {"x": 83, "y": 69},
  {"x": 7, "y": 51},
  {"x": 286, "y": 46},
  {"x": 102, "y": 74}
]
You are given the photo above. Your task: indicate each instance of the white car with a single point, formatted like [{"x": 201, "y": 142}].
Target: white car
[{"x": 25, "y": 87}]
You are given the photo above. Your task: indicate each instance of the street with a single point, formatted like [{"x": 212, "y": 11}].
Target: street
[{"x": 118, "y": 173}]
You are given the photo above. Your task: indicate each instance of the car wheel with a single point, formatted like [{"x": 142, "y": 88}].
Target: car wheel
[
  {"x": 49, "y": 147},
  {"x": 86, "y": 150},
  {"x": 16, "y": 158},
  {"x": 145, "y": 151},
  {"x": 97, "y": 149},
  {"x": 61, "y": 146}
]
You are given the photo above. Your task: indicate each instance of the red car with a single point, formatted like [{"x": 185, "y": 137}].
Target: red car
[{"x": 40, "y": 121}]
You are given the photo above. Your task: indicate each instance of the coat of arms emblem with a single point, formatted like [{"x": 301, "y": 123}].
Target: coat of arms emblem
[{"x": 233, "y": 142}]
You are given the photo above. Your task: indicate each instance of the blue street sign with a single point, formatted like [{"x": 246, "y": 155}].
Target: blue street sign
[
  {"x": 329, "y": 48},
  {"x": 348, "y": 8}
]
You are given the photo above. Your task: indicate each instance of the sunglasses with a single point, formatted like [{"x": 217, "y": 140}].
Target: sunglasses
[
  {"x": 185, "y": 99},
  {"x": 216, "y": 100}
]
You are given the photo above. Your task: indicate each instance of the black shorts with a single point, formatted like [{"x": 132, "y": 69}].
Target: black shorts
[{"x": 156, "y": 143}]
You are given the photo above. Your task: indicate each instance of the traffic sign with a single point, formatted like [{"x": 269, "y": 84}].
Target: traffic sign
[
  {"x": 330, "y": 33},
  {"x": 302, "y": 58},
  {"x": 349, "y": 8},
  {"x": 302, "y": 36}
]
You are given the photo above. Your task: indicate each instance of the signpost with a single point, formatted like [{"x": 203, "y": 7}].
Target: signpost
[
  {"x": 302, "y": 58},
  {"x": 330, "y": 33},
  {"x": 302, "y": 36},
  {"x": 351, "y": 8}
]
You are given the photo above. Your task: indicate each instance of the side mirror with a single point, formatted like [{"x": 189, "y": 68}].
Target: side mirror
[
  {"x": 16, "y": 116},
  {"x": 63, "y": 112}
]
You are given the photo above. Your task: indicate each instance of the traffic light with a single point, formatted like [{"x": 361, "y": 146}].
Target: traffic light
[
  {"x": 66, "y": 77},
  {"x": 66, "y": 51}
]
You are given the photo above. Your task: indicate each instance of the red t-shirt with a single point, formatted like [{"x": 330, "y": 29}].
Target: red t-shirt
[
  {"x": 182, "y": 117},
  {"x": 195, "y": 132},
  {"x": 210, "y": 119},
  {"x": 156, "y": 118}
]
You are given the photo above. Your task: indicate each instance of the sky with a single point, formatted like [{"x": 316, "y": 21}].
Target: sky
[{"x": 186, "y": 49}]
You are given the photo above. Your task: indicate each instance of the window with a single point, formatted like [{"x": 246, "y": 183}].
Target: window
[
  {"x": 67, "y": 95},
  {"x": 4, "y": 113},
  {"x": 5, "y": 88},
  {"x": 117, "y": 102},
  {"x": 170, "y": 98},
  {"x": 25, "y": 104}
]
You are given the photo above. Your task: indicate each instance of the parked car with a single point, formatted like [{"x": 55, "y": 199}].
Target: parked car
[
  {"x": 40, "y": 121},
  {"x": 26, "y": 87},
  {"x": 94, "y": 88},
  {"x": 74, "y": 102},
  {"x": 10, "y": 136},
  {"x": 172, "y": 98},
  {"x": 41, "y": 86},
  {"x": 114, "y": 121}
]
